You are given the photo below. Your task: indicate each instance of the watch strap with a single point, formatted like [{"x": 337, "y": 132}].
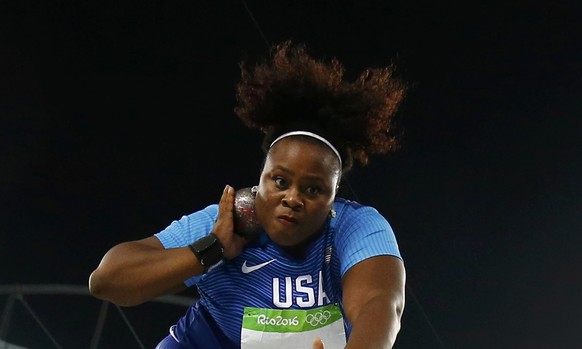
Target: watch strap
[{"x": 208, "y": 250}]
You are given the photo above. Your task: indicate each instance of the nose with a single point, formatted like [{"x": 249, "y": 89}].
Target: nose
[{"x": 292, "y": 199}]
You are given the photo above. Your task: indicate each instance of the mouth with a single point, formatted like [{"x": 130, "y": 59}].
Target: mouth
[{"x": 285, "y": 219}]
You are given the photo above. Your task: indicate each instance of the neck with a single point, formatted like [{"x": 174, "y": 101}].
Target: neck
[{"x": 298, "y": 251}]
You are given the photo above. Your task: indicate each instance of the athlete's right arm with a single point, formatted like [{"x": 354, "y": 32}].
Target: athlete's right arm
[{"x": 135, "y": 272}]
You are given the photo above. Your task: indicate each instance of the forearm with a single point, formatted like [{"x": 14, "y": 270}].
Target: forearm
[
  {"x": 133, "y": 273},
  {"x": 376, "y": 325}
]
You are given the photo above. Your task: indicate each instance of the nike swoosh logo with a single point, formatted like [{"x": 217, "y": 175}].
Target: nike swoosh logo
[
  {"x": 246, "y": 269},
  {"x": 173, "y": 334}
]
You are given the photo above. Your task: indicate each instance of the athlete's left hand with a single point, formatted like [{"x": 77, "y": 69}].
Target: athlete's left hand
[{"x": 318, "y": 344}]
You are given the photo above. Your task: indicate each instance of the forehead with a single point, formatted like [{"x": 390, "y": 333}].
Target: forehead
[{"x": 303, "y": 151}]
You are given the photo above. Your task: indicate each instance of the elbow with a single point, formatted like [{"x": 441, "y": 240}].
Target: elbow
[
  {"x": 101, "y": 287},
  {"x": 97, "y": 287},
  {"x": 399, "y": 308}
]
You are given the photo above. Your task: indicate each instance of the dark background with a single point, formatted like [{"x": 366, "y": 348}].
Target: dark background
[{"x": 117, "y": 117}]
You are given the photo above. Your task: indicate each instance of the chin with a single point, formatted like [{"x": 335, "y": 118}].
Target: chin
[{"x": 281, "y": 240}]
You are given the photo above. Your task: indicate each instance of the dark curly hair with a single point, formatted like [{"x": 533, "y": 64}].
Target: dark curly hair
[{"x": 294, "y": 91}]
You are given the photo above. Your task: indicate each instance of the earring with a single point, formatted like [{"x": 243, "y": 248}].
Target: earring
[
  {"x": 332, "y": 213},
  {"x": 254, "y": 190}
]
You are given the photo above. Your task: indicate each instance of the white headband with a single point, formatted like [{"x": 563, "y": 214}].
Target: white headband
[{"x": 309, "y": 134}]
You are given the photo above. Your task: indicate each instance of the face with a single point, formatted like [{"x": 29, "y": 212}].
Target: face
[{"x": 296, "y": 190}]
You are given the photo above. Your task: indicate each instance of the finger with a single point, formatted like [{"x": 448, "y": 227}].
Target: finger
[
  {"x": 227, "y": 200},
  {"x": 318, "y": 344},
  {"x": 224, "y": 225}
]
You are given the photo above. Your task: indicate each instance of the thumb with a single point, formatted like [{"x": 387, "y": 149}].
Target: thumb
[{"x": 318, "y": 344}]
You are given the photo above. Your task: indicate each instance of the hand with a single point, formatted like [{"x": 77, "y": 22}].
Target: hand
[
  {"x": 318, "y": 344},
  {"x": 224, "y": 225}
]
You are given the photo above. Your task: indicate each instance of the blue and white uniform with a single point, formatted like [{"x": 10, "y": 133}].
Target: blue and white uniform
[{"x": 264, "y": 277}]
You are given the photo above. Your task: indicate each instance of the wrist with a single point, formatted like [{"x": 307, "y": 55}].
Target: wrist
[{"x": 209, "y": 251}]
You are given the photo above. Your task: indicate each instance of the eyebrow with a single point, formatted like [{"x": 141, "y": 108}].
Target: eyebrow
[{"x": 286, "y": 170}]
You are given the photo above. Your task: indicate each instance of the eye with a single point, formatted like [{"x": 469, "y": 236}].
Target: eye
[
  {"x": 280, "y": 182},
  {"x": 313, "y": 190}
]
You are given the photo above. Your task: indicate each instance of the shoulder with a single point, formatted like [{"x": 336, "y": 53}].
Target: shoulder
[
  {"x": 202, "y": 216},
  {"x": 357, "y": 222},
  {"x": 351, "y": 204},
  {"x": 353, "y": 211},
  {"x": 189, "y": 227},
  {"x": 210, "y": 211},
  {"x": 361, "y": 232}
]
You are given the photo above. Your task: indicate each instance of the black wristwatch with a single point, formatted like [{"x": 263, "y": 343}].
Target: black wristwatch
[{"x": 209, "y": 251}]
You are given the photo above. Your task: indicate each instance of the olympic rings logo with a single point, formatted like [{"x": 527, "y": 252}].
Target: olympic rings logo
[{"x": 319, "y": 318}]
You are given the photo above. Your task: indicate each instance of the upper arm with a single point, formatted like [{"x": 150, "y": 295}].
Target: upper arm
[
  {"x": 379, "y": 279},
  {"x": 154, "y": 242},
  {"x": 151, "y": 241}
]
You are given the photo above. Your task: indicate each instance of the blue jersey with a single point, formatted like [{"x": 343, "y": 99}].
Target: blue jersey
[{"x": 265, "y": 276}]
